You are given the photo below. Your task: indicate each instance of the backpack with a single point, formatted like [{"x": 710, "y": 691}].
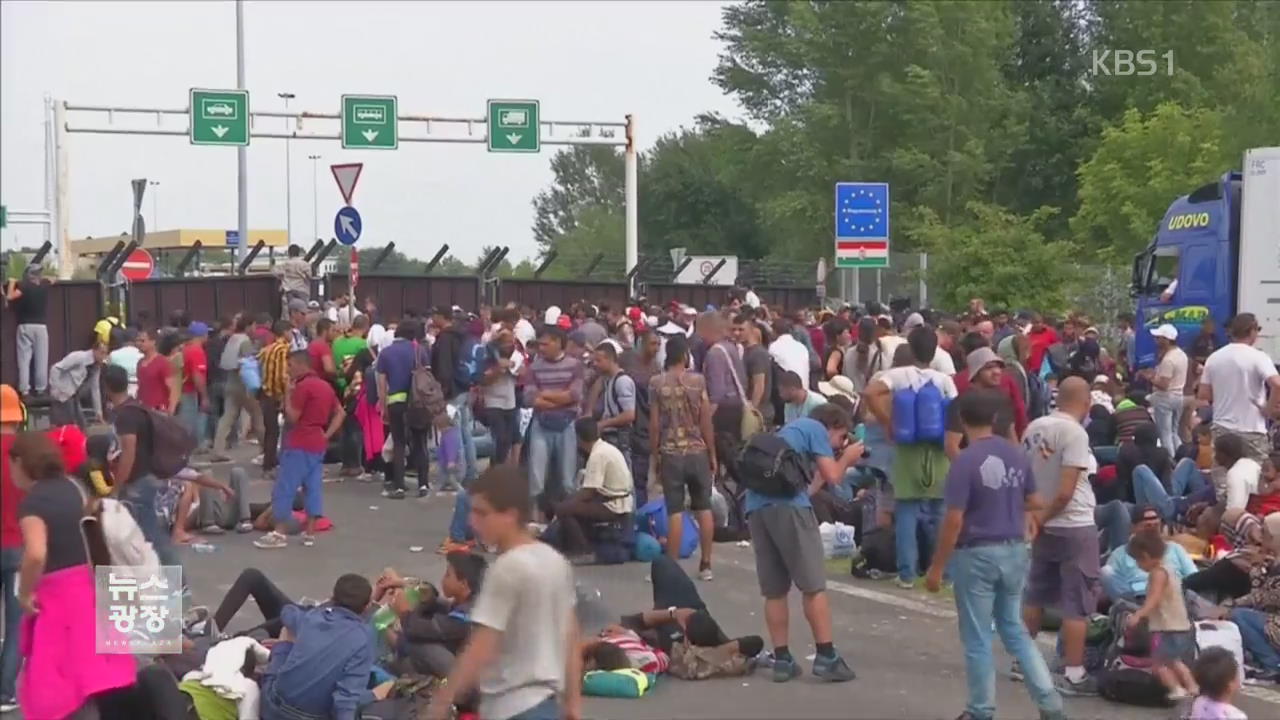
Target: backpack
[
  {"x": 171, "y": 443},
  {"x": 1122, "y": 683},
  {"x": 427, "y": 406},
  {"x": 769, "y": 466},
  {"x": 125, "y": 543},
  {"x": 1037, "y": 396},
  {"x": 919, "y": 415},
  {"x": 473, "y": 360},
  {"x": 251, "y": 373}
]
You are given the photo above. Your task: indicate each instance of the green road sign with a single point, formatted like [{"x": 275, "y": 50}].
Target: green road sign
[
  {"x": 369, "y": 121},
  {"x": 513, "y": 126},
  {"x": 4, "y": 216},
  {"x": 219, "y": 117}
]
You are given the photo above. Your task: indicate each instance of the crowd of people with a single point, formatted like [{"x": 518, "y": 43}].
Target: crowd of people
[{"x": 1009, "y": 456}]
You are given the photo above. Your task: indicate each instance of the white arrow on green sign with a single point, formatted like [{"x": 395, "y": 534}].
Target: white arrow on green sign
[
  {"x": 219, "y": 117},
  {"x": 369, "y": 121},
  {"x": 513, "y": 126}
]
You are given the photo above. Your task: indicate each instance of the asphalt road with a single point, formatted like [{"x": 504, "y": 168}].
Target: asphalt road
[{"x": 903, "y": 645}]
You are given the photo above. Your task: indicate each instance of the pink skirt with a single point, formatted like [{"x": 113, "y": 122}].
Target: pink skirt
[{"x": 61, "y": 669}]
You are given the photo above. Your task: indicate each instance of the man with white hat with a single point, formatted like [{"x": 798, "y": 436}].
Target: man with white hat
[{"x": 1169, "y": 378}]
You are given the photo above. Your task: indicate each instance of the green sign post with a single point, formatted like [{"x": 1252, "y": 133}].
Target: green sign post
[
  {"x": 369, "y": 121},
  {"x": 4, "y": 216},
  {"x": 513, "y": 126},
  {"x": 219, "y": 117}
]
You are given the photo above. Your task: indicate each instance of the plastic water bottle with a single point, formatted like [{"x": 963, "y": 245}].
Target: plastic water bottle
[{"x": 204, "y": 548}]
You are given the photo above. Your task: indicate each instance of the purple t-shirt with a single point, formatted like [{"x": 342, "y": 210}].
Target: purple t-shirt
[{"x": 990, "y": 480}]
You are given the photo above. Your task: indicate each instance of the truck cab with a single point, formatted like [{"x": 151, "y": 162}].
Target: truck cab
[{"x": 1189, "y": 272}]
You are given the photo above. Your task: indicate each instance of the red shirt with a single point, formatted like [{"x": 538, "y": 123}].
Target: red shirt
[
  {"x": 10, "y": 498},
  {"x": 153, "y": 382},
  {"x": 316, "y": 402},
  {"x": 194, "y": 364},
  {"x": 1040, "y": 342},
  {"x": 318, "y": 350},
  {"x": 1010, "y": 388}
]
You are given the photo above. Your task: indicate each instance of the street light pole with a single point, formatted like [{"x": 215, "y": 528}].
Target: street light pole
[
  {"x": 155, "y": 197},
  {"x": 288, "y": 179},
  {"x": 242, "y": 160},
  {"x": 315, "y": 203}
]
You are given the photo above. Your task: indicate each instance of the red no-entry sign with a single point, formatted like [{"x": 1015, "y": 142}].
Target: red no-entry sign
[{"x": 138, "y": 266}]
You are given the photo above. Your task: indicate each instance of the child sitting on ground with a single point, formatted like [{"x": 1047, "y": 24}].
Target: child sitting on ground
[
  {"x": 1166, "y": 614},
  {"x": 1219, "y": 677}
]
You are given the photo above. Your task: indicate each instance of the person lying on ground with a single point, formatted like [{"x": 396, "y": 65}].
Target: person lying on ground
[
  {"x": 180, "y": 498},
  {"x": 602, "y": 652}
]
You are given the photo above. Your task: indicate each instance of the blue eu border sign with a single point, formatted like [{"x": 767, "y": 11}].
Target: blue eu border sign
[{"x": 137, "y": 612}]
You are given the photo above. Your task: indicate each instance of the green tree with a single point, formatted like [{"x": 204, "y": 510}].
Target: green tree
[
  {"x": 450, "y": 266},
  {"x": 1140, "y": 167},
  {"x": 585, "y": 176},
  {"x": 396, "y": 262},
  {"x": 996, "y": 255}
]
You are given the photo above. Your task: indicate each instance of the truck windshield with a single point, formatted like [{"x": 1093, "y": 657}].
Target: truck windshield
[{"x": 1162, "y": 270}]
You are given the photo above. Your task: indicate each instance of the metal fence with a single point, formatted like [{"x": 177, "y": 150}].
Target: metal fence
[{"x": 904, "y": 278}]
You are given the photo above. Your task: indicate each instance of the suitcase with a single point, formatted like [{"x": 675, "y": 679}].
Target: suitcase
[{"x": 1223, "y": 634}]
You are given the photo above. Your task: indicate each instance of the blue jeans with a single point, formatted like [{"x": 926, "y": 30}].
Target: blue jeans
[
  {"x": 548, "y": 709},
  {"x": 544, "y": 445},
  {"x": 911, "y": 517},
  {"x": 298, "y": 468},
  {"x": 1115, "y": 520},
  {"x": 465, "y": 423},
  {"x": 1147, "y": 489},
  {"x": 140, "y": 497},
  {"x": 1253, "y": 625},
  {"x": 460, "y": 524},
  {"x": 10, "y": 561},
  {"x": 194, "y": 418},
  {"x": 989, "y": 581}
]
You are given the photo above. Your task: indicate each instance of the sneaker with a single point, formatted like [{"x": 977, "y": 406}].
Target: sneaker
[
  {"x": 213, "y": 530},
  {"x": 833, "y": 669},
  {"x": 784, "y": 670},
  {"x": 257, "y": 460},
  {"x": 8, "y": 705},
  {"x": 1177, "y": 694},
  {"x": 705, "y": 574},
  {"x": 423, "y": 491},
  {"x": 904, "y": 584},
  {"x": 394, "y": 494},
  {"x": 271, "y": 541},
  {"x": 1086, "y": 687},
  {"x": 308, "y": 540},
  {"x": 1015, "y": 672},
  {"x": 244, "y": 527},
  {"x": 197, "y": 614}
]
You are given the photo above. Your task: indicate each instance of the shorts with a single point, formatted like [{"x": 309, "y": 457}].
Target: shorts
[
  {"x": 1172, "y": 646},
  {"x": 788, "y": 550},
  {"x": 1064, "y": 571},
  {"x": 693, "y": 471},
  {"x": 1256, "y": 444}
]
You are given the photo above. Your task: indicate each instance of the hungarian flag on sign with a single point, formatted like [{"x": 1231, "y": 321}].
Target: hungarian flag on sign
[{"x": 862, "y": 249}]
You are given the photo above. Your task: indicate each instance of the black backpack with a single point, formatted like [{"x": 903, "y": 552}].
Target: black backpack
[{"x": 769, "y": 466}]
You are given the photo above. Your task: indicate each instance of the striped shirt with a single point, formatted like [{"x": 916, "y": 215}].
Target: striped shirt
[
  {"x": 274, "y": 360},
  {"x": 559, "y": 375},
  {"x": 643, "y": 657}
]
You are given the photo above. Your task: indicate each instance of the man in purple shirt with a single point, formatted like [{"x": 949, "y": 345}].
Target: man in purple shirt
[
  {"x": 553, "y": 388},
  {"x": 991, "y": 501}
]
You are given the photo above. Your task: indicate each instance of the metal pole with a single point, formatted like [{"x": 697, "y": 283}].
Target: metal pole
[
  {"x": 66, "y": 258},
  {"x": 924, "y": 286},
  {"x": 242, "y": 157},
  {"x": 315, "y": 202},
  {"x": 155, "y": 205},
  {"x": 633, "y": 225},
  {"x": 288, "y": 175},
  {"x": 50, "y": 170}
]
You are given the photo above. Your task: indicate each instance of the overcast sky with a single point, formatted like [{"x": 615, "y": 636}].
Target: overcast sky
[{"x": 582, "y": 60}]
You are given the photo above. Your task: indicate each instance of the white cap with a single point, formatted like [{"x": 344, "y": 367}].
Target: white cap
[
  {"x": 1166, "y": 331},
  {"x": 552, "y": 316}
]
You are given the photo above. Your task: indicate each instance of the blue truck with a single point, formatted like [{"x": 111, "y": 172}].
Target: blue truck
[{"x": 1215, "y": 254}]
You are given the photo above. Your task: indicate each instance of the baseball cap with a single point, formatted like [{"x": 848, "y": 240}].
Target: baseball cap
[
  {"x": 1101, "y": 380},
  {"x": 198, "y": 329},
  {"x": 297, "y": 305},
  {"x": 72, "y": 445},
  {"x": 552, "y": 315},
  {"x": 981, "y": 358},
  {"x": 1166, "y": 331},
  {"x": 11, "y": 409},
  {"x": 913, "y": 321},
  {"x": 313, "y": 305}
]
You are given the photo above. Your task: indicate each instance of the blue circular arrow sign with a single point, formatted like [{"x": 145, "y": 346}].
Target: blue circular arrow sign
[{"x": 347, "y": 226}]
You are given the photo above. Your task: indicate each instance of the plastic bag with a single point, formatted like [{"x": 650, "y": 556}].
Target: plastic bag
[{"x": 837, "y": 540}]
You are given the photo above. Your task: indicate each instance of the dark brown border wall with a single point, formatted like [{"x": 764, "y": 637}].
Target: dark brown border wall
[
  {"x": 204, "y": 298},
  {"x": 542, "y": 294},
  {"x": 394, "y": 293},
  {"x": 74, "y": 307}
]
